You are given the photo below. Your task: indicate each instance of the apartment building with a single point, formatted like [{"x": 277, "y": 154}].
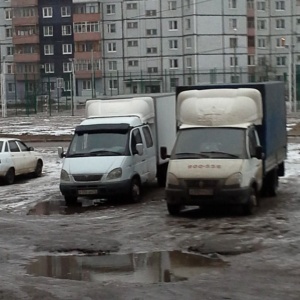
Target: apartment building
[{"x": 114, "y": 47}]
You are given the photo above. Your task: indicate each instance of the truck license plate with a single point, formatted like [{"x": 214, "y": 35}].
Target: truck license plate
[
  {"x": 200, "y": 192},
  {"x": 87, "y": 192}
]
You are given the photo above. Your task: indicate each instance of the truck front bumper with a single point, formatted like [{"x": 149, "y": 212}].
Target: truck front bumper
[
  {"x": 218, "y": 197},
  {"x": 92, "y": 190}
]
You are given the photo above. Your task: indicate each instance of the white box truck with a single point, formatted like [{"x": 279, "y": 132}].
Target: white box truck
[
  {"x": 231, "y": 145},
  {"x": 115, "y": 150}
]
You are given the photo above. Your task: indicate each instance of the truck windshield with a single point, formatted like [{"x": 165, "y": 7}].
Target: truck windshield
[
  {"x": 212, "y": 142},
  {"x": 99, "y": 144}
]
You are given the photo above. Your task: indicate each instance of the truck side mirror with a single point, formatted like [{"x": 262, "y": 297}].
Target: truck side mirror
[
  {"x": 139, "y": 148},
  {"x": 164, "y": 153},
  {"x": 61, "y": 152},
  {"x": 259, "y": 152}
]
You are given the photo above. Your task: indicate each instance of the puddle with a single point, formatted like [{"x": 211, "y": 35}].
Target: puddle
[
  {"x": 58, "y": 207},
  {"x": 153, "y": 267}
]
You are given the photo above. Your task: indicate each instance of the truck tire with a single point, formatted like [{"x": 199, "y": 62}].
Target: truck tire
[
  {"x": 162, "y": 174},
  {"x": 135, "y": 191},
  {"x": 174, "y": 209},
  {"x": 71, "y": 200},
  {"x": 270, "y": 184},
  {"x": 250, "y": 207}
]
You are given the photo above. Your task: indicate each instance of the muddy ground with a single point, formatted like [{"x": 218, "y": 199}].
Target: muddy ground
[{"x": 101, "y": 250}]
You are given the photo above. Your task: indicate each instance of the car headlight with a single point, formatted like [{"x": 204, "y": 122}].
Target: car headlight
[
  {"x": 172, "y": 180},
  {"x": 114, "y": 174},
  {"x": 64, "y": 176},
  {"x": 234, "y": 180}
]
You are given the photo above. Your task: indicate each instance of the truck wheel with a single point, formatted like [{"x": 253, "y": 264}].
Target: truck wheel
[
  {"x": 71, "y": 200},
  {"x": 10, "y": 176},
  {"x": 250, "y": 207},
  {"x": 135, "y": 191},
  {"x": 272, "y": 183},
  {"x": 174, "y": 209}
]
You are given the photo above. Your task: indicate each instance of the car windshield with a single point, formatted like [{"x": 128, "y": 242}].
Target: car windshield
[
  {"x": 99, "y": 144},
  {"x": 210, "y": 143}
]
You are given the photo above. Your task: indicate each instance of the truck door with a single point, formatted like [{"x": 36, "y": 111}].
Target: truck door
[
  {"x": 151, "y": 154},
  {"x": 139, "y": 161}
]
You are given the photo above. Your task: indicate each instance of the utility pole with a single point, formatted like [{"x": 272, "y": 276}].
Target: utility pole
[{"x": 235, "y": 57}]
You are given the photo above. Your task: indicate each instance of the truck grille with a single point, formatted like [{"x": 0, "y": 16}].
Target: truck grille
[
  {"x": 84, "y": 178},
  {"x": 201, "y": 183}
]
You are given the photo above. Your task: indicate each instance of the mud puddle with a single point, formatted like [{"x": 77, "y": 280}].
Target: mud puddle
[{"x": 153, "y": 267}]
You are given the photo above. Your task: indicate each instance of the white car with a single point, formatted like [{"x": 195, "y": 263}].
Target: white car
[{"x": 16, "y": 158}]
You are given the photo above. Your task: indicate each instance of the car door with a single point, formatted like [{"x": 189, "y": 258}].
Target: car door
[
  {"x": 29, "y": 160},
  {"x": 139, "y": 161},
  {"x": 16, "y": 156}
]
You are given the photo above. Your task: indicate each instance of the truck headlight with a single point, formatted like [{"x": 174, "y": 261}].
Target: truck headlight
[
  {"x": 64, "y": 176},
  {"x": 234, "y": 180},
  {"x": 114, "y": 174},
  {"x": 172, "y": 180}
]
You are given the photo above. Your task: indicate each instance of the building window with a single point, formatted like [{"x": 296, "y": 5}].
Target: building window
[
  {"x": 151, "y": 32},
  {"x": 151, "y": 50},
  {"x": 188, "y": 43},
  {"x": 131, "y": 6},
  {"x": 187, "y": 24},
  {"x": 11, "y": 87},
  {"x": 232, "y": 23},
  {"x": 279, "y": 43},
  {"x": 48, "y": 30},
  {"x": 280, "y": 60},
  {"x": 261, "y": 43},
  {"x": 250, "y": 4},
  {"x": 251, "y": 60},
  {"x": 188, "y": 62},
  {"x": 48, "y": 49},
  {"x": 47, "y": 12},
  {"x": 9, "y": 50},
  {"x": 66, "y": 11},
  {"x": 113, "y": 84},
  {"x": 111, "y": 28},
  {"x": 173, "y": 44},
  {"x": 261, "y": 24},
  {"x": 8, "y": 32},
  {"x": 86, "y": 27},
  {"x": 132, "y": 43},
  {"x": 152, "y": 70},
  {"x": 261, "y": 5},
  {"x": 173, "y": 25},
  {"x": 233, "y": 61},
  {"x": 131, "y": 25},
  {"x": 233, "y": 42},
  {"x": 112, "y": 65},
  {"x": 172, "y": 5},
  {"x": 151, "y": 13},
  {"x": 133, "y": 63},
  {"x": 66, "y": 29},
  {"x": 250, "y": 22},
  {"x": 8, "y": 14},
  {"x": 174, "y": 82},
  {"x": 67, "y": 48},
  {"x": 280, "y": 24},
  {"x": 110, "y": 9},
  {"x": 232, "y": 3},
  {"x": 67, "y": 67},
  {"x": 280, "y": 5},
  {"x": 173, "y": 63},
  {"x": 9, "y": 68},
  {"x": 111, "y": 47},
  {"x": 86, "y": 84},
  {"x": 49, "y": 67}
]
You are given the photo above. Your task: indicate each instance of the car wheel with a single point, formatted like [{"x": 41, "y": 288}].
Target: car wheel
[
  {"x": 10, "y": 176},
  {"x": 71, "y": 200},
  {"x": 135, "y": 191},
  {"x": 38, "y": 169},
  {"x": 250, "y": 207},
  {"x": 174, "y": 209}
]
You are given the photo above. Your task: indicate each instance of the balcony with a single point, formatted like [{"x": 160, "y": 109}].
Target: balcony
[
  {"x": 250, "y": 12},
  {"x": 23, "y": 3},
  {"x": 251, "y": 50},
  {"x": 87, "y": 36},
  {"x": 26, "y": 57},
  {"x": 30, "y": 76},
  {"x": 26, "y": 39},
  {"x": 251, "y": 31},
  {"x": 22, "y": 21},
  {"x": 87, "y": 55},
  {"x": 86, "y": 18},
  {"x": 88, "y": 74}
]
